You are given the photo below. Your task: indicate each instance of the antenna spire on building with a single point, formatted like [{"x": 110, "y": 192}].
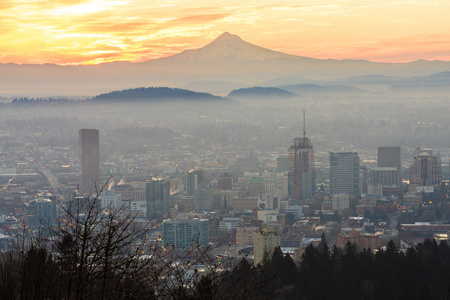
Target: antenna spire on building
[{"x": 304, "y": 125}]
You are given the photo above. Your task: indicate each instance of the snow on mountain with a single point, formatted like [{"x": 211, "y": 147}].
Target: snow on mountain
[{"x": 228, "y": 46}]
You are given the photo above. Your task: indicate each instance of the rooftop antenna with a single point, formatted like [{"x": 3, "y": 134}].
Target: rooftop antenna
[{"x": 304, "y": 125}]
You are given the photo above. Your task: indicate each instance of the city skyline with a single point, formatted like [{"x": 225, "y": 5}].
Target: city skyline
[
  {"x": 98, "y": 31},
  {"x": 207, "y": 187}
]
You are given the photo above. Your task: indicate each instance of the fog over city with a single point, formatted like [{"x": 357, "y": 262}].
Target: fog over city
[{"x": 333, "y": 122}]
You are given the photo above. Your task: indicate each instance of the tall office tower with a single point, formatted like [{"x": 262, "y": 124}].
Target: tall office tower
[
  {"x": 158, "y": 199},
  {"x": 193, "y": 179},
  {"x": 344, "y": 167},
  {"x": 89, "y": 162},
  {"x": 426, "y": 168},
  {"x": 301, "y": 176},
  {"x": 389, "y": 157},
  {"x": 184, "y": 233}
]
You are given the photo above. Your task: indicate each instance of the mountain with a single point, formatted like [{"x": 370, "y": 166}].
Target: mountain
[
  {"x": 229, "y": 47},
  {"x": 372, "y": 79},
  {"x": 279, "y": 81},
  {"x": 435, "y": 83},
  {"x": 226, "y": 59},
  {"x": 261, "y": 93},
  {"x": 308, "y": 89},
  {"x": 156, "y": 94}
]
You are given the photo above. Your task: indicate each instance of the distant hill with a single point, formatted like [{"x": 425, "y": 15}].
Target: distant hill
[
  {"x": 322, "y": 89},
  {"x": 372, "y": 79},
  {"x": 435, "y": 83},
  {"x": 156, "y": 94},
  {"x": 291, "y": 80},
  {"x": 261, "y": 92}
]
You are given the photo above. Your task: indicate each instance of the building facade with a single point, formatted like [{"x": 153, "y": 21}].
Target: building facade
[
  {"x": 109, "y": 199},
  {"x": 40, "y": 212},
  {"x": 361, "y": 241},
  {"x": 157, "y": 198},
  {"x": 264, "y": 243},
  {"x": 426, "y": 168},
  {"x": 184, "y": 233},
  {"x": 225, "y": 181},
  {"x": 203, "y": 197},
  {"x": 301, "y": 175},
  {"x": 193, "y": 179},
  {"x": 344, "y": 172},
  {"x": 90, "y": 184},
  {"x": 244, "y": 235},
  {"x": 389, "y": 157},
  {"x": 388, "y": 178},
  {"x": 340, "y": 201},
  {"x": 245, "y": 203}
]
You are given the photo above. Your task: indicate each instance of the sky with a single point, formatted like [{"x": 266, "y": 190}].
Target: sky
[{"x": 97, "y": 31}]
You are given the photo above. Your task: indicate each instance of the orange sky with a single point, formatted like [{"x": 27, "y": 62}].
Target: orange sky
[{"x": 95, "y": 31}]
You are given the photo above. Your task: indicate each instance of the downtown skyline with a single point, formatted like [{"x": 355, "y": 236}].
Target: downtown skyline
[{"x": 97, "y": 31}]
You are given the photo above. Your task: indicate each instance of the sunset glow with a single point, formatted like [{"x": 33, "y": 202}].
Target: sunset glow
[{"x": 98, "y": 31}]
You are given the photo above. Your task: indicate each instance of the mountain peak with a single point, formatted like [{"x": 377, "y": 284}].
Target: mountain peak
[
  {"x": 227, "y": 47},
  {"x": 227, "y": 37}
]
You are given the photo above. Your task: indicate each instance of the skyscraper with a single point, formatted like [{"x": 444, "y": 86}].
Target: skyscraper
[
  {"x": 89, "y": 162},
  {"x": 193, "y": 179},
  {"x": 426, "y": 168},
  {"x": 344, "y": 177},
  {"x": 301, "y": 176},
  {"x": 389, "y": 157},
  {"x": 157, "y": 194}
]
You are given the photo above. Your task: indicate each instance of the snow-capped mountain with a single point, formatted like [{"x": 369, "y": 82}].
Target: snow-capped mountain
[
  {"x": 227, "y": 60},
  {"x": 228, "y": 46}
]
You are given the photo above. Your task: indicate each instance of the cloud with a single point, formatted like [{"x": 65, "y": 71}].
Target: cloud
[
  {"x": 201, "y": 18},
  {"x": 68, "y": 30}
]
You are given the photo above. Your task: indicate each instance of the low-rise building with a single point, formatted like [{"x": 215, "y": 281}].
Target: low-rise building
[{"x": 362, "y": 241}]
